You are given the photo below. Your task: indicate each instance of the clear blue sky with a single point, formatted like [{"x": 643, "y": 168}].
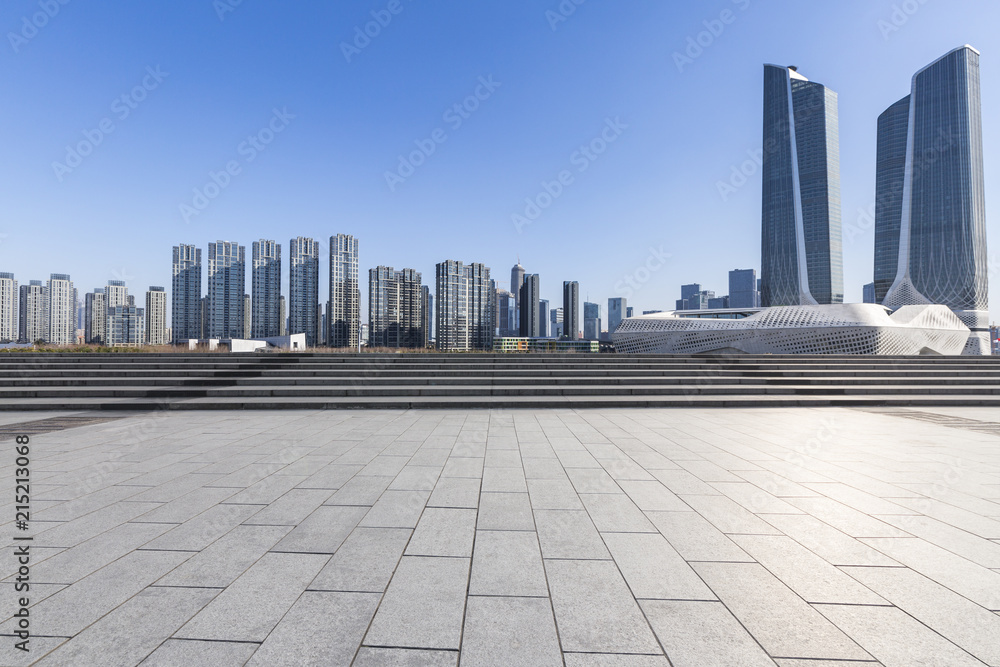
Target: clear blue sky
[{"x": 654, "y": 191}]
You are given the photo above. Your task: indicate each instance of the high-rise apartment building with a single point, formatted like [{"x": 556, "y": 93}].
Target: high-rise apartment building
[
  {"x": 265, "y": 289},
  {"x": 465, "y": 307},
  {"x": 283, "y": 316},
  {"x": 743, "y": 289},
  {"x": 226, "y": 290},
  {"x": 60, "y": 310},
  {"x": 571, "y": 309},
  {"x": 31, "y": 312},
  {"x": 530, "y": 322},
  {"x": 344, "y": 308},
  {"x": 116, "y": 294},
  {"x": 95, "y": 318},
  {"x": 303, "y": 289},
  {"x": 591, "y": 321},
  {"x": 543, "y": 318},
  {"x": 616, "y": 312},
  {"x": 156, "y": 316},
  {"x": 427, "y": 314},
  {"x": 395, "y": 308},
  {"x": 8, "y": 308},
  {"x": 930, "y": 210},
  {"x": 801, "y": 253},
  {"x": 186, "y": 306},
  {"x": 125, "y": 326},
  {"x": 247, "y": 316}
]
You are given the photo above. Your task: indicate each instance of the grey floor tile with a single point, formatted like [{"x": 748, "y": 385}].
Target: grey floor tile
[
  {"x": 728, "y": 516},
  {"x": 423, "y": 606},
  {"x": 825, "y": 663},
  {"x": 74, "y": 564},
  {"x": 615, "y": 512},
  {"x": 444, "y": 532},
  {"x": 365, "y": 562},
  {"x": 220, "y": 563},
  {"x": 569, "y": 534},
  {"x": 543, "y": 469},
  {"x": 683, "y": 482},
  {"x": 72, "y": 533},
  {"x": 695, "y": 539},
  {"x": 963, "y": 543},
  {"x": 783, "y": 623},
  {"x": 754, "y": 499},
  {"x": 252, "y": 605},
  {"x": 553, "y": 494},
  {"x": 416, "y": 478},
  {"x": 896, "y": 639},
  {"x": 844, "y": 518},
  {"x": 332, "y": 476},
  {"x": 504, "y": 480},
  {"x": 401, "y": 657},
  {"x": 360, "y": 491},
  {"x": 385, "y": 465},
  {"x": 588, "y": 480},
  {"x": 189, "y": 505},
  {"x": 827, "y": 542},
  {"x": 291, "y": 508},
  {"x": 11, "y": 656},
  {"x": 505, "y": 511},
  {"x": 396, "y": 509},
  {"x": 653, "y": 496},
  {"x": 507, "y": 563},
  {"x": 455, "y": 492},
  {"x": 192, "y": 653},
  {"x": 614, "y": 660},
  {"x": 503, "y": 631},
  {"x": 653, "y": 569},
  {"x": 267, "y": 490},
  {"x": 323, "y": 531},
  {"x": 697, "y": 634},
  {"x": 463, "y": 466},
  {"x": 320, "y": 629},
  {"x": 594, "y": 609},
  {"x": 202, "y": 530}
]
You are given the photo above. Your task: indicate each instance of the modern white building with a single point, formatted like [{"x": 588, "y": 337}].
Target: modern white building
[
  {"x": 867, "y": 329},
  {"x": 8, "y": 308},
  {"x": 31, "y": 312},
  {"x": 344, "y": 308},
  {"x": 125, "y": 326},
  {"x": 95, "y": 317},
  {"x": 226, "y": 290},
  {"x": 60, "y": 310},
  {"x": 465, "y": 307},
  {"x": 156, "y": 316}
]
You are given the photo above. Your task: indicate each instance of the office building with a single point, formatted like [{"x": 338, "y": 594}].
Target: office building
[
  {"x": 571, "y": 309},
  {"x": 868, "y": 294},
  {"x": 516, "y": 280},
  {"x": 60, "y": 310},
  {"x": 930, "y": 233},
  {"x": 186, "y": 306},
  {"x": 530, "y": 325},
  {"x": 506, "y": 316},
  {"x": 719, "y": 302},
  {"x": 428, "y": 314},
  {"x": 344, "y": 308},
  {"x": 464, "y": 311},
  {"x": 95, "y": 317},
  {"x": 31, "y": 312},
  {"x": 156, "y": 316},
  {"x": 628, "y": 311},
  {"x": 556, "y": 329},
  {"x": 801, "y": 254},
  {"x": 743, "y": 289},
  {"x": 543, "y": 318},
  {"x": 616, "y": 312},
  {"x": 8, "y": 308},
  {"x": 591, "y": 321},
  {"x": 395, "y": 308},
  {"x": 303, "y": 289},
  {"x": 226, "y": 290},
  {"x": 265, "y": 289}
]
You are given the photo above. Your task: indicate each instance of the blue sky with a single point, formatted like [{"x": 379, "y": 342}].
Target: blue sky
[{"x": 534, "y": 83}]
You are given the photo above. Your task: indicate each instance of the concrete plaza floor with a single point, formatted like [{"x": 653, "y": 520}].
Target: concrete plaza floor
[{"x": 586, "y": 538}]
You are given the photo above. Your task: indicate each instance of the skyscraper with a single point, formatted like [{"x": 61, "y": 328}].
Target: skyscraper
[
  {"x": 283, "y": 316},
  {"x": 395, "y": 308},
  {"x": 543, "y": 318},
  {"x": 506, "y": 316},
  {"x": 303, "y": 288},
  {"x": 516, "y": 280},
  {"x": 185, "y": 309},
  {"x": 95, "y": 318},
  {"x": 427, "y": 314},
  {"x": 930, "y": 143},
  {"x": 226, "y": 289},
  {"x": 591, "y": 321},
  {"x": 616, "y": 312},
  {"x": 743, "y": 289},
  {"x": 465, "y": 308},
  {"x": 801, "y": 255},
  {"x": 116, "y": 294},
  {"x": 156, "y": 316},
  {"x": 343, "y": 311},
  {"x": 60, "y": 310},
  {"x": 247, "y": 316},
  {"x": 531, "y": 326},
  {"x": 571, "y": 309},
  {"x": 265, "y": 290},
  {"x": 31, "y": 311},
  {"x": 8, "y": 308}
]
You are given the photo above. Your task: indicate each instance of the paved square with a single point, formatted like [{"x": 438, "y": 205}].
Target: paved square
[{"x": 795, "y": 537}]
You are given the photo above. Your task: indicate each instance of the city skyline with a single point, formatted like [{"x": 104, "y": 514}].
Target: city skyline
[{"x": 651, "y": 183}]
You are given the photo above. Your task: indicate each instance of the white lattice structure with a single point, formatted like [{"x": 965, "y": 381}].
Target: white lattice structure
[{"x": 825, "y": 329}]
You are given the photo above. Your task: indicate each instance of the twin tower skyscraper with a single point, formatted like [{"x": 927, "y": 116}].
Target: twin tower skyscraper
[{"x": 930, "y": 212}]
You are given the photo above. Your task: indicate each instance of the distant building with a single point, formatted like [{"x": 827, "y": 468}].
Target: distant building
[
  {"x": 247, "y": 317},
  {"x": 8, "y": 308},
  {"x": 303, "y": 288},
  {"x": 718, "y": 302},
  {"x": 556, "y": 323},
  {"x": 617, "y": 308},
  {"x": 628, "y": 311},
  {"x": 226, "y": 290},
  {"x": 530, "y": 325},
  {"x": 591, "y": 321},
  {"x": 95, "y": 317},
  {"x": 869, "y": 293},
  {"x": 395, "y": 308},
  {"x": 516, "y": 280},
  {"x": 321, "y": 326},
  {"x": 31, "y": 310},
  {"x": 344, "y": 307},
  {"x": 465, "y": 307},
  {"x": 571, "y": 309},
  {"x": 549, "y": 345},
  {"x": 506, "y": 316},
  {"x": 156, "y": 316},
  {"x": 265, "y": 289},
  {"x": 60, "y": 310},
  {"x": 125, "y": 326},
  {"x": 543, "y": 318},
  {"x": 651, "y": 312},
  {"x": 743, "y": 289},
  {"x": 427, "y": 314},
  {"x": 283, "y": 315},
  {"x": 186, "y": 306}
]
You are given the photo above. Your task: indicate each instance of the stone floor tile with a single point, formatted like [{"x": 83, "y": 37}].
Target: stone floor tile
[
  {"x": 615, "y": 512},
  {"x": 589, "y": 480},
  {"x": 74, "y": 564},
  {"x": 844, "y": 518},
  {"x": 507, "y": 563},
  {"x": 728, "y": 516},
  {"x": 220, "y": 563},
  {"x": 698, "y": 634},
  {"x": 695, "y": 539},
  {"x": 360, "y": 491},
  {"x": 963, "y": 543},
  {"x": 504, "y": 480},
  {"x": 396, "y": 509},
  {"x": 323, "y": 531},
  {"x": 503, "y": 631},
  {"x": 827, "y": 542},
  {"x": 202, "y": 530},
  {"x": 416, "y": 478},
  {"x": 754, "y": 499},
  {"x": 653, "y": 569},
  {"x": 71, "y": 533},
  {"x": 332, "y": 476},
  {"x": 365, "y": 562},
  {"x": 553, "y": 494},
  {"x": 444, "y": 532},
  {"x": 455, "y": 492},
  {"x": 505, "y": 511},
  {"x": 569, "y": 534},
  {"x": 683, "y": 482},
  {"x": 653, "y": 496},
  {"x": 194, "y": 653},
  {"x": 463, "y": 467},
  {"x": 614, "y": 660},
  {"x": 400, "y": 657}
]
